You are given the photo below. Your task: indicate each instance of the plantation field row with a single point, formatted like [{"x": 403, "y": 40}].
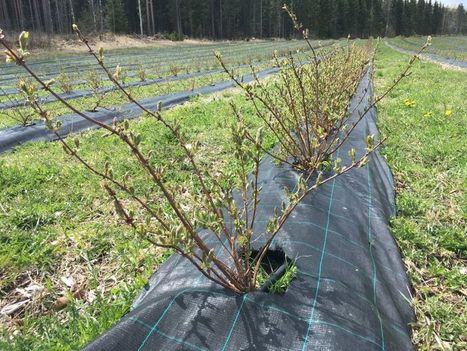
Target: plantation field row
[
  {"x": 106, "y": 97},
  {"x": 160, "y": 61},
  {"x": 453, "y": 47}
]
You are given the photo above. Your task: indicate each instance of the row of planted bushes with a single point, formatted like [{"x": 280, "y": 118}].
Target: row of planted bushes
[{"x": 305, "y": 108}]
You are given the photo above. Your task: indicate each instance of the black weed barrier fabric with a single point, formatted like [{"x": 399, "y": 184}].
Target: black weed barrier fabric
[{"x": 350, "y": 292}]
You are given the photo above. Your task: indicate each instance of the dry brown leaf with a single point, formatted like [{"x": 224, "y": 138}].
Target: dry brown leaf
[{"x": 61, "y": 303}]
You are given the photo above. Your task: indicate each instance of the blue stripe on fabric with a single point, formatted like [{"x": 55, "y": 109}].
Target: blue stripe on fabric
[
  {"x": 320, "y": 270},
  {"x": 274, "y": 308},
  {"x": 280, "y": 310},
  {"x": 375, "y": 302},
  {"x": 327, "y": 253},
  {"x": 267, "y": 306},
  {"x": 393, "y": 325},
  {"x": 346, "y": 237},
  {"x": 153, "y": 329},
  {"x": 332, "y": 255},
  {"x": 318, "y": 208},
  {"x": 348, "y": 331},
  {"x": 234, "y": 322},
  {"x": 179, "y": 341}
]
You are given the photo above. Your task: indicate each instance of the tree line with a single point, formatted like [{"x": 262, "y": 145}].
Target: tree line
[{"x": 235, "y": 19}]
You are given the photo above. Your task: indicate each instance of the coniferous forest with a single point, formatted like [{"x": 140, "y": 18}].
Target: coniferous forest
[{"x": 235, "y": 19}]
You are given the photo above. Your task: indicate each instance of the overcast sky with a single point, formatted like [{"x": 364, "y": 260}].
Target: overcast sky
[{"x": 454, "y": 2}]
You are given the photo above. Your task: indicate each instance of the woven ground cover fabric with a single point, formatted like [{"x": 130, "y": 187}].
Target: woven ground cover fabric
[{"x": 350, "y": 293}]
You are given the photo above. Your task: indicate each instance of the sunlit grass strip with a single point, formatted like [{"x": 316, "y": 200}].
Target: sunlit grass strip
[{"x": 425, "y": 119}]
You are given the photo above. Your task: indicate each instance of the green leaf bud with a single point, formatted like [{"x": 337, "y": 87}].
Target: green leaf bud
[
  {"x": 101, "y": 54},
  {"x": 9, "y": 58},
  {"x": 369, "y": 141},
  {"x": 319, "y": 179},
  {"x": 23, "y": 40},
  {"x": 352, "y": 154},
  {"x": 363, "y": 162}
]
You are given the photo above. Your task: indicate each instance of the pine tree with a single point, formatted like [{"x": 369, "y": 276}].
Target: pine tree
[
  {"x": 436, "y": 23},
  {"x": 353, "y": 18},
  {"x": 325, "y": 21},
  {"x": 420, "y": 17},
  {"x": 406, "y": 25},
  {"x": 236, "y": 19},
  {"x": 396, "y": 17},
  {"x": 341, "y": 20},
  {"x": 427, "y": 18},
  {"x": 362, "y": 18},
  {"x": 461, "y": 18},
  {"x": 412, "y": 16},
  {"x": 313, "y": 17},
  {"x": 116, "y": 19}
]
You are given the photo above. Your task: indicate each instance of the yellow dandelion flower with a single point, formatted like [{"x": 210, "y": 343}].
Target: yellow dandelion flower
[
  {"x": 428, "y": 114},
  {"x": 409, "y": 103},
  {"x": 448, "y": 113}
]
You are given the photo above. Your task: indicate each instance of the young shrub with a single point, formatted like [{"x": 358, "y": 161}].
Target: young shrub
[
  {"x": 306, "y": 107},
  {"x": 158, "y": 72},
  {"x": 175, "y": 36},
  {"x": 19, "y": 114},
  {"x": 193, "y": 84},
  {"x": 141, "y": 73},
  {"x": 175, "y": 69},
  {"x": 196, "y": 66},
  {"x": 94, "y": 80},
  {"x": 156, "y": 210},
  {"x": 64, "y": 82}
]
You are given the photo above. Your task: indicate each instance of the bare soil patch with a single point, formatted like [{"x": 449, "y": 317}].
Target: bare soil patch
[
  {"x": 110, "y": 42},
  {"x": 41, "y": 43}
]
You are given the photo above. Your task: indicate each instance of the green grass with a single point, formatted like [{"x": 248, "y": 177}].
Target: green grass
[
  {"x": 55, "y": 220},
  {"x": 281, "y": 285},
  {"x": 426, "y": 150}
]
